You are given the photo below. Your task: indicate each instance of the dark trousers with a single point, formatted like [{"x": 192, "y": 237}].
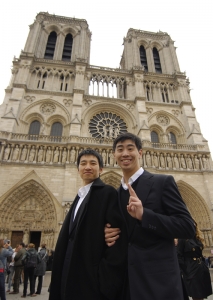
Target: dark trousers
[
  {"x": 39, "y": 286},
  {"x": 2, "y": 286},
  {"x": 17, "y": 276},
  {"x": 29, "y": 273}
]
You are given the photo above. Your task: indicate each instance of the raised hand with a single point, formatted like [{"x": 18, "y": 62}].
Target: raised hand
[{"x": 135, "y": 207}]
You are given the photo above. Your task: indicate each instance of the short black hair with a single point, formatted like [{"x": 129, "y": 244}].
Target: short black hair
[
  {"x": 128, "y": 136},
  {"x": 90, "y": 151},
  {"x": 22, "y": 244}
]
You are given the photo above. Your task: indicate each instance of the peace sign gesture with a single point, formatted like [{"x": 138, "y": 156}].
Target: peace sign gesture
[{"x": 135, "y": 207}]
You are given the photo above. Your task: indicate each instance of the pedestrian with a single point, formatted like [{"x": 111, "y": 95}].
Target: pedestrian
[
  {"x": 83, "y": 267},
  {"x": 5, "y": 251},
  {"x": 30, "y": 261},
  {"x": 12, "y": 269},
  {"x": 18, "y": 267},
  {"x": 41, "y": 268},
  {"x": 50, "y": 260},
  {"x": 195, "y": 272},
  {"x": 155, "y": 214}
]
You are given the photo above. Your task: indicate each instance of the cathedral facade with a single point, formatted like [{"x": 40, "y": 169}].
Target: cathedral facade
[{"x": 57, "y": 104}]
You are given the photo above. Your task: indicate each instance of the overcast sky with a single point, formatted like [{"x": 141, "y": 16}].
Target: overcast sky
[{"x": 188, "y": 22}]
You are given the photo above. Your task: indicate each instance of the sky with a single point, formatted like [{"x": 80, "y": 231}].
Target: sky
[{"x": 188, "y": 22}]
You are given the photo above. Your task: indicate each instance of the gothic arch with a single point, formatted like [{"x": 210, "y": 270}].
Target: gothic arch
[
  {"x": 157, "y": 45},
  {"x": 70, "y": 29},
  {"x": 112, "y": 178},
  {"x": 52, "y": 27},
  {"x": 175, "y": 124},
  {"x": 34, "y": 116},
  {"x": 142, "y": 42},
  {"x": 29, "y": 206},
  {"x": 115, "y": 108}
]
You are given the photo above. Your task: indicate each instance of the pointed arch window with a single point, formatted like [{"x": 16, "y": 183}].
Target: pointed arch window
[
  {"x": 34, "y": 130},
  {"x": 157, "y": 61},
  {"x": 172, "y": 138},
  {"x": 50, "y": 48},
  {"x": 143, "y": 58},
  {"x": 67, "y": 51},
  {"x": 154, "y": 137},
  {"x": 56, "y": 132}
]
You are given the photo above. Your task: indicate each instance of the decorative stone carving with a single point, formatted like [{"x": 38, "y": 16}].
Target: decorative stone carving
[
  {"x": 197, "y": 163},
  {"x": 204, "y": 162},
  {"x": 169, "y": 161},
  {"x": 148, "y": 159},
  {"x": 72, "y": 155},
  {"x": 155, "y": 160},
  {"x": 182, "y": 162},
  {"x": 47, "y": 108},
  {"x": 149, "y": 110},
  {"x": 162, "y": 161},
  {"x": 189, "y": 162},
  {"x": 48, "y": 154},
  {"x": 106, "y": 125},
  {"x": 64, "y": 156},
  {"x": 87, "y": 102},
  {"x": 162, "y": 120},
  {"x": 56, "y": 155},
  {"x": 175, "y": 112},
  {"x": 176, "y": 162},
  {"x": 111, "y": 158},
  {"x": 30, "y": 98},
  {"x": 130, "y": 106},
  {"x": 40, "y": 154},
  {"x": 32, "y": 154},
  {"x": 15, "y": 153},
  {"x": 67, "y": 102},
  {"x": 23, "y": 153},
  {"x": 104, "y": 155}
]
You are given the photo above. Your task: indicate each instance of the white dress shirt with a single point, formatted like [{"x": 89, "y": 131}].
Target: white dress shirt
[
  {"x": 82, "y": 192},
  {"x": 132, "y": 178}
]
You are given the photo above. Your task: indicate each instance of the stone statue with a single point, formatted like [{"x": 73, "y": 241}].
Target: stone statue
[
  {"x": 182, "y": 162},
  {"x": 155, "y": 160},
  {"x": 105, "y": 131},
  {"x": 32, "y": 154},
  {"x": 56, "y": 155},
  {"x": 111, "y": 158},
  {"x": 26, "y": 237},
  {"x": 72, "y": 155},
  {"x": 48, "y": 154},
  {"x": 24, "y": 153},
  {"x": 176, "y": 162},
  {"x": 169, "y": 161},
  {"x": 110, "y": 131},
  {"x": 64, "y": 156},
  {"x": 40, "y": 154},
  {"x": 197, "y": 163},
  {"x": 15, "y": 153},
  {"x": 7, "y": 152},
  {"x": 116, "y": 132},
  {"x": 189, "y": 162},
  {"x": 148, "y": 159},
  {"x": 204, "y": 162},
  {"x": 104, "y": 155},
  {"x": 162, "y": 161}
]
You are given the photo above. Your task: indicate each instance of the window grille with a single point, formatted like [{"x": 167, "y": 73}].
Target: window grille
[
  {"x": 154, "y": 137},
  {"x": 172, "y": 138},
  {"x": 56, "y": 132},
  {"x": 157, "y": 61},
  {"x": 67, "y": 51},
  {"x": 50, "y": 48},
  {"x": 34, "y": 130},
  {"x": 143, "y": 58}
]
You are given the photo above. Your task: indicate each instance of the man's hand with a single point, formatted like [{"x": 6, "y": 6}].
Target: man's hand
[
  {"x": 135, "y": 207},
  {"x": 111, "y": 234}
]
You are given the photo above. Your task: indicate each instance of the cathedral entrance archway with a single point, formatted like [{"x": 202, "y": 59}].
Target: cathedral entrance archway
[
  {"x": 28, "y": 208},
  {"x": 198, "y": 209},
  {"x": 111, "y": 178}
]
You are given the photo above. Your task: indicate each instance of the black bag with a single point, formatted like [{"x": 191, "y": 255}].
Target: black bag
[{"x": 31, "y": 261}]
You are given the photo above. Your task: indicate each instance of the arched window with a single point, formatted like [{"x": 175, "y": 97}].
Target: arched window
[
  {"x": 172, "y": 138},
  {"x": 67, "y": 51},
  {"x": 157, "y": 61},
  {"x": 143, "y": 58},
  {"x": 34, "y": 130},
  {"x": 50, "y": 48},
  {"x": 154, "y": 137},
  {"x": 56, "y": 131}
]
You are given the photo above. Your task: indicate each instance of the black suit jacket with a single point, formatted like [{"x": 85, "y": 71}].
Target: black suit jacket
[
  {"x": 95, "y": 271},
  {"x": 152, "y": 260}
]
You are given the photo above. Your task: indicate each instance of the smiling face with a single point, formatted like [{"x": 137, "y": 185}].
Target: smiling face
[
  {"x": 89, "y": 168},
  {"x": 127, "y": 156}
]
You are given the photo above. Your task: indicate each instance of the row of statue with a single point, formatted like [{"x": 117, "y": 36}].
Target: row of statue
[
  {"x": 176, "y": 161},
  {"x": 43, "y": 154}
]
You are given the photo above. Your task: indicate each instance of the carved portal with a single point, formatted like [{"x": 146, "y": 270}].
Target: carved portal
[{"x": 47, "y": 108}]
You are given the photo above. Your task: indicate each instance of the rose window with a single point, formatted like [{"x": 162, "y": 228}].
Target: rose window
[{"x": 106, "y": 125}]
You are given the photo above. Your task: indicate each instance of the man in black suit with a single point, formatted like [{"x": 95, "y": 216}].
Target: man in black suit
[
  {"x": 83, "y": 266},
  {"x": 155, "y": 214}
]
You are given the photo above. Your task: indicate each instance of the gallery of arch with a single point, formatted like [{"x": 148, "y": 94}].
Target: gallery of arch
[{"x": 57, "y": 104}]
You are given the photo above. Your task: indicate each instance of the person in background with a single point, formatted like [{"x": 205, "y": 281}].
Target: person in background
[
  {"x": 41, "y": 268},
  {"x": 11, "y": 268},
  {"x": 50, "y": 260},
  {"x": 5, "y": 251},
  {"x": 196, "y": 276}
]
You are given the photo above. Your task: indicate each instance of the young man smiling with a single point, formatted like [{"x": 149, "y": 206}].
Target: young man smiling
[
  {"x": 155, "y": 214},
  {"x": 83, "y": 266}
]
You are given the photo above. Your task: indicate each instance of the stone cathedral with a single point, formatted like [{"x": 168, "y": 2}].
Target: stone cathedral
[{"x": 57, "y": 104}]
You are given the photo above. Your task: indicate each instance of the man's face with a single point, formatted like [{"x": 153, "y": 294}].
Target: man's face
[
  {"x": 127, "y": 156},
  {"x": 89, "y": 168}
]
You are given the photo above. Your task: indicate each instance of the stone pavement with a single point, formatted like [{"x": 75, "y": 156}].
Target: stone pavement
[{"x": 44, "y": 295}]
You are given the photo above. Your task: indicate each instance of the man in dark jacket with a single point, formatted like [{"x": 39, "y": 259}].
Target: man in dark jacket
[
  {"x": 155, "y": 214},
  {"x": 83, "y": 266},
  {"x": 18, "y": 267},
  {"x": 41, "y": 268}
]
